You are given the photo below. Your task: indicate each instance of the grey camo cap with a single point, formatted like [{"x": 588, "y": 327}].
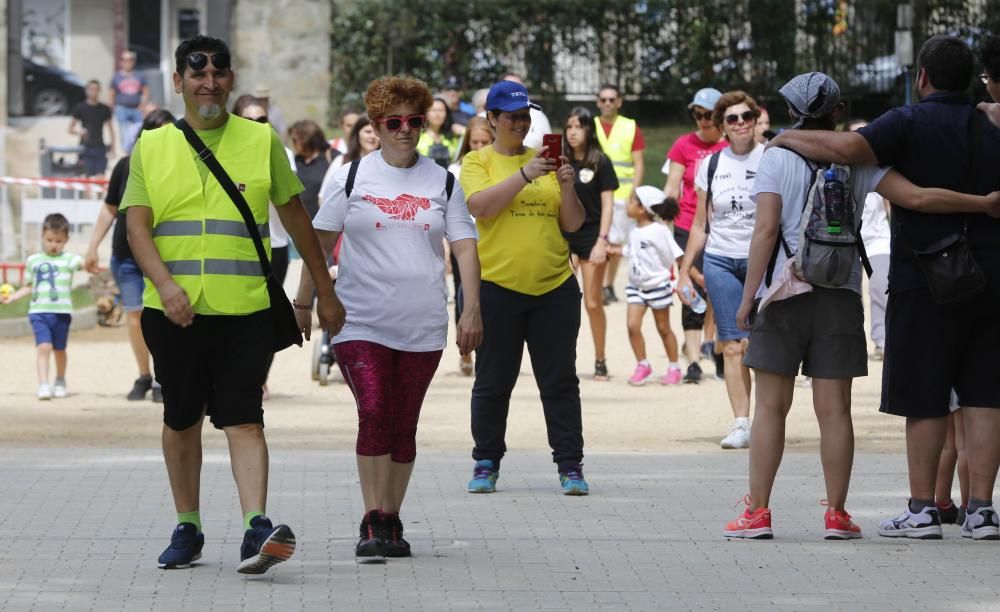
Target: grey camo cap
[{"x": 812, "y": 94}]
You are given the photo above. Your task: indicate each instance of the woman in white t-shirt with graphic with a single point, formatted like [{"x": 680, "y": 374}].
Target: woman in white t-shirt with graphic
[
  {"x": 394, "y": 219},
  {"x": 651, "y": 251},
  {"x": 731, "y": 214}
]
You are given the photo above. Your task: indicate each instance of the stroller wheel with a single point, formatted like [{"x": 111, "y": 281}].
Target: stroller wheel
[{"x": 324, "y": 374}]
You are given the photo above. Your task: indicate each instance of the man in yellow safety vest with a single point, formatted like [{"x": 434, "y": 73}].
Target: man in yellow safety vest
[
  {"x": 206, "y": 318},
  {"x": 622, "y": 141}
]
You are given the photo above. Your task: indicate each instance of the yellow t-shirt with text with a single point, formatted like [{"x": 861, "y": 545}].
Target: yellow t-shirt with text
[{"x": 521, "y": 248}]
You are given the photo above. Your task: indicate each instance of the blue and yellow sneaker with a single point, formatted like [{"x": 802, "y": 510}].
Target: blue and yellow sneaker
[
  {"x": 265, "y": 546},
  {"x": 185, "y": 546},
  {"x": 484, "y": 477},
  {"x": 572, "y": 481}
]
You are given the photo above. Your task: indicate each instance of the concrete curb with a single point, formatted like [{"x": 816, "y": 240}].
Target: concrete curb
[{"x": 13, "y": 328}]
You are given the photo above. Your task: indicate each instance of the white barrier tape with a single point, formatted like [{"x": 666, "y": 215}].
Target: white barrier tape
[{"x": 89, "y": 186}]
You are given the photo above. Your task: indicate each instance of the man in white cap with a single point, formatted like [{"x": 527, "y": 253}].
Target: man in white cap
[
  {"x": 681, "y": 168},
  {"x": 274, "y": 115},
  {"x": 932, "y": 348}
]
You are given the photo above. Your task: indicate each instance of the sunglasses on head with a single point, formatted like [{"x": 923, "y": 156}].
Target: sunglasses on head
[
  {"x": 747, "y": 116},
  {"x": 199, "y": 60},
  {"x": 701, "y": 116},
  {"x": 394, "y": 124}
]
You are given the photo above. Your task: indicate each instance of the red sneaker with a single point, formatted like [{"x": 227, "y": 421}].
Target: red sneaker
[
  {"x": 839, "y": 526},
  {"x": 754, "y": 525}
]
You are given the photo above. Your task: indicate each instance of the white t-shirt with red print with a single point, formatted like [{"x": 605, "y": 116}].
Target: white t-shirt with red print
[{"x": 391, "y": 273}]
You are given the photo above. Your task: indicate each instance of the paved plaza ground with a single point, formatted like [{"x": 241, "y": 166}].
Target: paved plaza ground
[{"x": 87, "y": 509}]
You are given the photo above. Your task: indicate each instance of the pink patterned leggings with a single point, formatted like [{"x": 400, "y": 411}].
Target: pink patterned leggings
[{"x": 389, "y": 387}]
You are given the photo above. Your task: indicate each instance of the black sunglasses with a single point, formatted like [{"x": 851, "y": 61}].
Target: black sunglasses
[
  {"x": 199, "y": 60},
  {"x": 747, "y": 116},
  {"x": 699, "y": 116},
  {"x": 261, "y": 119}
]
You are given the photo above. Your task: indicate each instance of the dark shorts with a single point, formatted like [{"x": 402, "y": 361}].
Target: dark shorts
[
  {"x": 51, "y": 328},
  {"x": 95, "y": 160},
  {"x": 691, "y": 320},
  {"x": 582, "y": 241},
  {"x": 931, "y": 349},
  {"x": 823, "y": 331},
  {"x": 216, "y": 365}
]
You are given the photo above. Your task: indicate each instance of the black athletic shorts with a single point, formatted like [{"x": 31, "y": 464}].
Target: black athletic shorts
[
  {"x": 217, "y": 365},
  {"x": 931, "y": 349},
  {"x": 582, "y": 241},
  {"x": 691, "y": 320}
]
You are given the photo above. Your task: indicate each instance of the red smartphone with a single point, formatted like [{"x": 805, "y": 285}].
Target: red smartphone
[{"x": 554, "y": 148}]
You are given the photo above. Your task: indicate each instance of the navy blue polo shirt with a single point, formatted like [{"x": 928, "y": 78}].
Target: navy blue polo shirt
[{"x": 929, "y": 144}]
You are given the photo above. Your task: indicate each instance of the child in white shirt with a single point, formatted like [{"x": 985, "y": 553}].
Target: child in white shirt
[{"x": 651, "y": 252}]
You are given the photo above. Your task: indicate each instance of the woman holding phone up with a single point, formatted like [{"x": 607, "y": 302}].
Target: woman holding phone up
[{"x": 522, "y": 203}]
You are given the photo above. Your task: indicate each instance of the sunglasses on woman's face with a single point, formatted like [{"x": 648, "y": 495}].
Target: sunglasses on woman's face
[
  {"x": 394, "y": 124},
  {"x": 261, "y": 119},
  {"x": 199, "y": 60},
  {"x": 699, "y": 116},
  {"x": 746, "y": 116}
]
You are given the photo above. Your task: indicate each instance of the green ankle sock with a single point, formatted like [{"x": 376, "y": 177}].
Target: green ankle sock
[
  {"x": 249, "y": 516},
  {"x": 190, "y": 517}
]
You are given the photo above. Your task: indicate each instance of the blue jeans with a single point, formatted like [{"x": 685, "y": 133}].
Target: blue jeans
[
  {"x": 130, "y": 283},
  {"x": 724, "y": 280},
  {"x": 129, "y": 123}
]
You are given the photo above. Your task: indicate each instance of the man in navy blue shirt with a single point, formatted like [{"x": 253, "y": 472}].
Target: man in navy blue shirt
[{"x": 930, "y": 348}]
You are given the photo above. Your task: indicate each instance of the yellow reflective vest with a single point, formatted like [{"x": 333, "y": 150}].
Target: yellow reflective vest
[
  {"x": 197, "y": 229},
  {"x": 618, "y": 147}
]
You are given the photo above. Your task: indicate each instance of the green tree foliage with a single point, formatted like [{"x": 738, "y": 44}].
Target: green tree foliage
[{"x": 652, "y": 48}]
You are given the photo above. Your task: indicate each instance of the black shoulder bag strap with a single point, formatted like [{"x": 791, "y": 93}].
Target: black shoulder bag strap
[
  {"x": 713, "y": 165},
  {"x": 352, "y": 175},
  {"x": 208, "y": 158}
]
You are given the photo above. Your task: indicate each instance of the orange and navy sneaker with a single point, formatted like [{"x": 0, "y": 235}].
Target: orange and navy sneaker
[
  {"x": 754, "y": 525},
  {"x": 839, "y": 526},
  {"x": 265, "y": 546}
]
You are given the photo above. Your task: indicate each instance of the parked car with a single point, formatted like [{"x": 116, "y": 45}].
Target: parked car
[{"x": 49, "y": 90}]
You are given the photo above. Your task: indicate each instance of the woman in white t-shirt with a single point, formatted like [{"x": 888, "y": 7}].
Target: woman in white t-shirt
[
  {"x": 391, "y": 283},
  {"x": 731, "y": 215}
]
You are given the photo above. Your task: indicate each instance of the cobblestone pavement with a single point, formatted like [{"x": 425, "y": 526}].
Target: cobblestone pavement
[{"x": 83, "y": 528}]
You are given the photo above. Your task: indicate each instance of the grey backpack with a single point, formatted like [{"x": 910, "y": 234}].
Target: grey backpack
[{"x": 827, "y": 253}]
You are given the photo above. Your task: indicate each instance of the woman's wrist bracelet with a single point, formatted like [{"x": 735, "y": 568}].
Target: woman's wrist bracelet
[
  {"x": 298, "y": 306},
  {"x": 604, "y": 237},
  {"x": 524, "y": 176}
]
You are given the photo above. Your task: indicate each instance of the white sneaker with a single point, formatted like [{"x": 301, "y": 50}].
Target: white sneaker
[
  {"x": 739, "y": 436},
  {"x": 59, "y": 389},
  {"x": 981, "y": 524},
  {"x": 923, "y": 525},
  {"x": 44, "y": 393}
]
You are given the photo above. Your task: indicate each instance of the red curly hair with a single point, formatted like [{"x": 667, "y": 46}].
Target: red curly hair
[{"x": 385, "y": 93}]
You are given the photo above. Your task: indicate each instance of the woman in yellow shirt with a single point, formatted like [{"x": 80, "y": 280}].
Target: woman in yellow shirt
[{"x": 522, "y": 203}]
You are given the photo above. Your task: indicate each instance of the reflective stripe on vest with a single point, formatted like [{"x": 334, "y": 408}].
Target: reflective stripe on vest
[
  {"x": 618, "y": 147},
  {"x": 197, "y": 229}
]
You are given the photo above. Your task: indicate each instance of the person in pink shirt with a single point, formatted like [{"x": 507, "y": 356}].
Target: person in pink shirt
[{"x": 682, "y": 165}]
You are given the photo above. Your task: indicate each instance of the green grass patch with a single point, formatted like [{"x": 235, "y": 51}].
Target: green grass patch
[{"x": 82, "y": 297}]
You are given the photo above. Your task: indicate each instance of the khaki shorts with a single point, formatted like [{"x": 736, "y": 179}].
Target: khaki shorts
[{"x": 822, "y": 331}]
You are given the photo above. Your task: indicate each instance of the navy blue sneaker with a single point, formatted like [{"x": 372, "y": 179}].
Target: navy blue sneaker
[
  {"x": 265, "y": 546},
  {"x": 572, "y": 481},
  {"x": 185, "y": 547}
]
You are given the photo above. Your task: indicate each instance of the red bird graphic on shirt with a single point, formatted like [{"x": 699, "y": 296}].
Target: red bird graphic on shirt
[{"x": 403, "y": 208}]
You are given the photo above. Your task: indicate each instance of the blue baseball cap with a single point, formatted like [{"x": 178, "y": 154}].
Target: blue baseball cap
[
  {"x": 706, "y": 98},
  {"x": 509, "y": 96}
]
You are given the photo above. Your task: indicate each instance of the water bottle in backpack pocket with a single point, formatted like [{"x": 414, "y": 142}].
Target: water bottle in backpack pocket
[{"x": 829, "y": 230}]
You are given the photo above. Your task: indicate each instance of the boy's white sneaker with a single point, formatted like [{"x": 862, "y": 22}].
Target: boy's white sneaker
[
  {"x": 59, "y": 389},
  {"x": 739, "y": 435},
  {"x": 44, "y": 392}
]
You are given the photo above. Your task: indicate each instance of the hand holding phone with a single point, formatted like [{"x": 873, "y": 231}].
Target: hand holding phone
[{"x": 553, "y": 148}]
